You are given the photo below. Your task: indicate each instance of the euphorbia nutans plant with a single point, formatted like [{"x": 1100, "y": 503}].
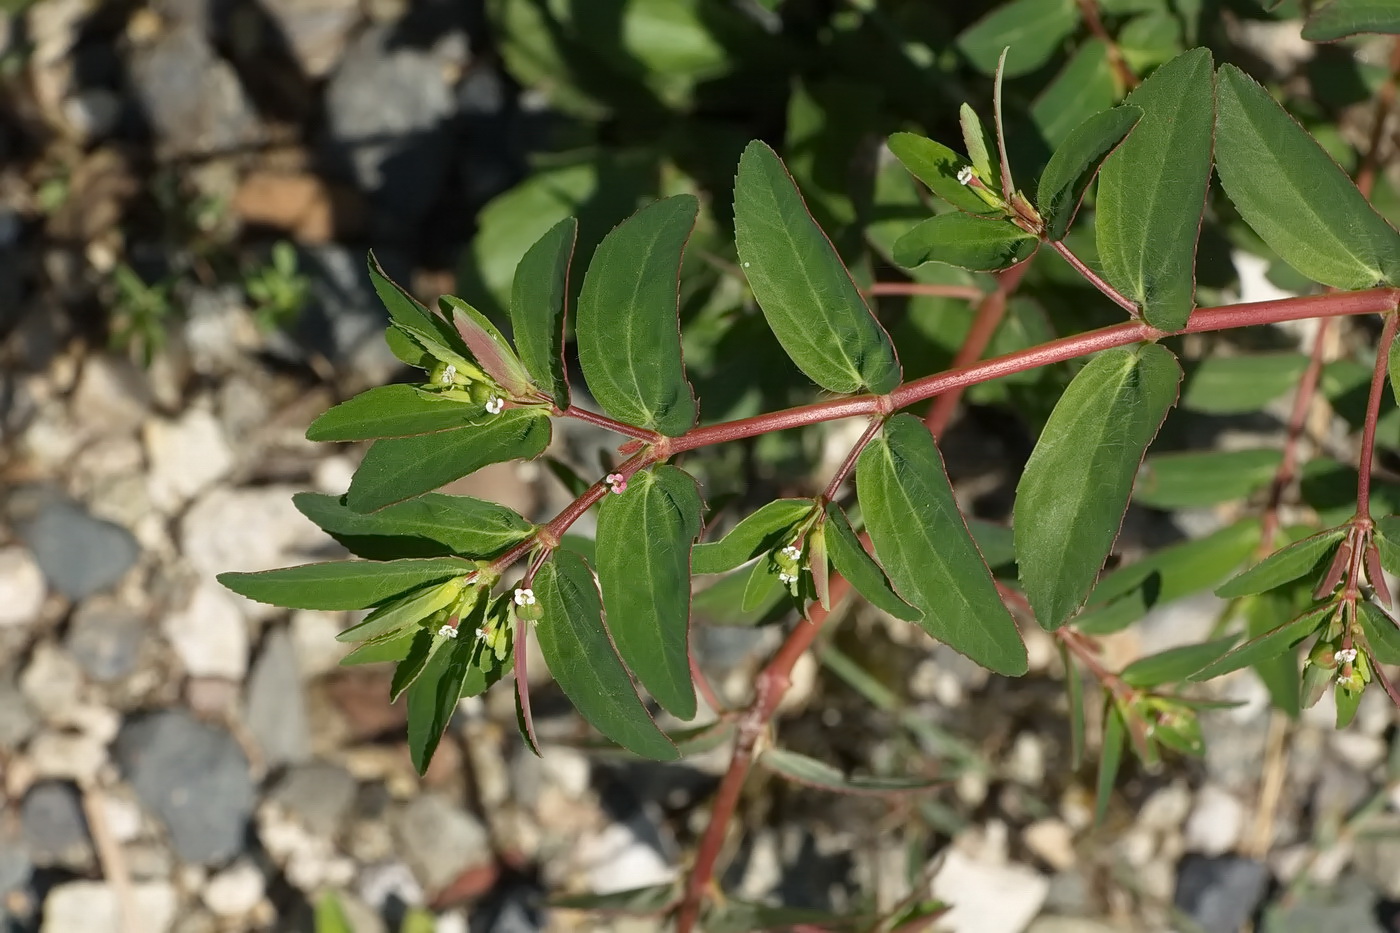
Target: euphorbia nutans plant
[{"x": 457, "y": 585}]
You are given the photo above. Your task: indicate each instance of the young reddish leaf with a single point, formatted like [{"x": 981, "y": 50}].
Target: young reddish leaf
[
  {"x": 398, "y": 468},
  {"x": 814, "y": 773},
  {"x": 1074, "y": 164},
  {"x": 488, "y": 346},
  {"x": 1272, "y": 643},
  {"x": 643, "y": 559},
  {"x": 800, "y": 283},
  {"x": 433, "y": 696},
  {"x": 1152, "y": 190},
  {"x": 922, "y": 541},
  {"x": 583, "y": 661},
  {"x": 458, "y": 525},
  {"x": 1285, "y": 564},
  {"x": 764, "y": 531},
  {"x": 1075, "y": 488},
  {"x": 343, "y": 584},
  {"x": 537, "y": 303},
  {"x": 394, "y": 411},
  {"x": 1175, "y": 664},
  {"x": 629, "y": 342},
  {"x": 939, "y": 167},
  {"x": 1294, "y": 195},
  {"x": 850, "y": 559},
  {"x": 1341, "y": 18},
  {"x": 1034, "y": 29},
  {"x": 975, "y": 243},
  {"x": 1194, "y": 479}
]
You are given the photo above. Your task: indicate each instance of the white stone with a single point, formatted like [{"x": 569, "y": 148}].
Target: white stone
[
  {"x": 122, "y": 816},
  {"x": 567, "y": 770},
  {"x": 209, "y": 634},
  {"x": 247, "y": 530},
  {"x": 52, "y": 682},
  {"x": 21, "y": 587},
  {"x": 987, "y": 898},
  {"x": 332, "y": 475},
  {"x": 1051, "y": 840},
  {"x": 619, "y": 858},
  {"x": 234, "y": 891},
  {"x": 1362, "y": 752},
  {"x": 313, "y": 636},
  {"x": 110, "y": 395},
  {"x": 89, "y": 906},
  {"x": 1216, "y": 822},
  {"x": 308, "y": 860},
  {"x": 187, "y": 456},
  {"x": 67, "y": 756},
  {"x": 1025, "y": 764},
  {"x": 1166, "y": 808}
]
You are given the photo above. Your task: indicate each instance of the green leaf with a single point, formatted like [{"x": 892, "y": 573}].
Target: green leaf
[
  {"x": 1342, "y": 18},
  {"x": 975, "y": 243},
  {"x": 1387, "y": 540},
  {"x": 420, "y": 650},
  {"x": 996, "y": 542},
  {"x": 398, "y": 614},
  {"x": 462, "y": 525},
  {"x": 1291, "y": 192},
  {"x": 629, "y": 342},
  {"x": 1083, "y": 87},
  {"x": 435, "y": 335},
  {"x": 1280, "y": 675},
  {"x": 1381, "y": 633},
  {"x": 922, "y": 542},
  {"x": 406, "y": 348},
  {"x": 329, "y": 917},
  {"x": 643, "y": 558},
  {"x": 814, "y": 773},
  {"x": 343, "y": 584},
  {"x": 806, "y": 294},
  {"x": 433, "y": 696},
  {"x": 722, "y": 602},
  {"x": 1075, "y": 488},
  {"x": 937, "y": 166},
  {"x": 1033, "y": 29},
  {"x": 398, "y": 468},
  {"x": 1271, "y": 644},
  {"x": 583, "y": 661},
  {"x": 392, "y": 647},
  {"x": 1074, "y": 164},
  {"x": 1152, "y": 190},
  {"x": 537, "y": 303},
  {"x": 1175, "y": 664},
  {"x": 1110, "y": 759},
  {"x": 1392, "y": 364},
  {"x": 1231, "y": 385},
  {"x": 762, "y": 587},
  {"x": 765, "y": 530},
  {"x": 980, "y": 146},
  {"x": 1201, "y": 478},
  {"x": 394, "y": 411},
  {"x": 488, "y": 345},
  {"x": 1283, "y": 565},
  {"x": 850, "y": 559}
]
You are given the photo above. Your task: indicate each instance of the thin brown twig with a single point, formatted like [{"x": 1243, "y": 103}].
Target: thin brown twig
[
  {"x": 111, "y": 859},
  {"x": 930, "y": 289},
  {"x": 1121, "y": 70}
]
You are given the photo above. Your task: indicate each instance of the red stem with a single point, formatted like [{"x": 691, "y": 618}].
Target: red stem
[
  {"x": 603, "y": 421},
  {"x": 1297, "y": 420},
  {"x": 966, "y": 292},
  {"x": 849, "y": 463},
  {"x": 1095, "y": 279},
  {"x": 1373, "y": 413},
  {"x": 1124, "y": 74},
  {"x": 987, "y": 318}
]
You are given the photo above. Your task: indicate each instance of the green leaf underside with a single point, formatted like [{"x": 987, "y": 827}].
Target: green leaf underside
[
  {"x": 1271, "y": 644},
  {"x": 1152, "y": 191},
  {"x": 488, "y": 346},
  {"x": 807, "y": 296},
  {"x": 1196, "y": 479},
  {"x": 537, "y": 302},
  {"x": 1283, "y": 565},
  {"x": 937, "y": 166},
  {"x": 628, "y": 331},
  {"x": 765, "y": 530},
  {"x": 1227, "y": 385},
  {"x": 975, "y": 243},
  {"x": 1179, "y": 570},
  {"x": 399, "y": 468},
  {"x": 392, "y": 647},
  {"x": 1175, "y": 664},
  {"x": 433, "y": 696},
  {"x": 922, "y": 542},
  {"x": 394, "y": 411},
  {"x": 1033, "y": 29},
  {"x": 1075, "y": 488},
  {"x": 468, "y": 527},
  {"x": 1076, "y": 160},
  {"x": 583, "y": 661},
  {"x": 343, "y": 584},
  {"x": 1342, "y": 18},
  {"x": 1381, "y": 633},
  {"x": 424, "y": 327},
  {"x": 406, "y": 348},
  {"x": 852, "y": 561},
  {"x": 643, "y": 559},
  {"x": 1292, "y": 193},
  {"x": 818, "y": 774},
  {"x": 398, "y": 614}
]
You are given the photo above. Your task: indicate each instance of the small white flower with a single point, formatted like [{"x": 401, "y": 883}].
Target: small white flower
[
  {"x": 449, "y": 374},
  {"x": 447, "y": 631},
  {"x": 524, "y": 597},
  {"x": 965, "y": 175},
  {"x": 494, "y": 404},
  {"x": 787, "y": 578},
  {"x": 1346, "y": 655},
  {"x": 793, "y": 551},
  {"x": 483, "y": 633}
]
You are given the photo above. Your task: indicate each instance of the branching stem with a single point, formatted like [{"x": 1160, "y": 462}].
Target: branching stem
[
  {"x": 1094, "y": 279},
  {"x": 1373, "y": 413}
]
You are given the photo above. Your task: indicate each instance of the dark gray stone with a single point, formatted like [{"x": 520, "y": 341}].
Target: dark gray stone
[
  {"x": 79, "y": 554},
  {"x": 55, "y": 829},
  {"x": 318, "y": 795},
  {"x": 344, "y": 320},
  {"x": 15, "y": 864},
  {"x": 190, "y": 96},
  {"x": 1349, "y": 906},
  {"x": 105, "y": 638},
  {"x": 1220, "y": 894},
  {"x": 17, "y": 720},
  {"x": 194, "y": 777},
  {"x": 276, "y": 704}
]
